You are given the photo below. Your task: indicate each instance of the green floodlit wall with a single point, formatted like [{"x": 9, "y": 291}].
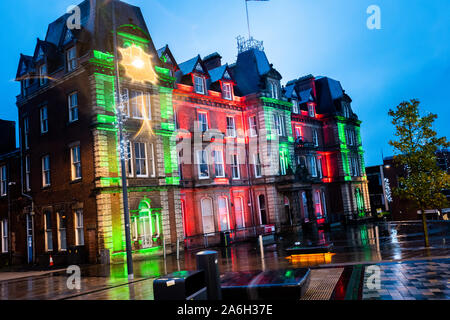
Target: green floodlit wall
[{"x": 344, "y": 151}]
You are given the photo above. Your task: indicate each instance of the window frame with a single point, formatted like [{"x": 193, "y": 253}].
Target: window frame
[
  {"x": 235, "y": 166},
  {"x": 61, "y": 230},
  {"x": 5, "y": 236},
  {"x": 136, "y": 158},
  {"x": 3, "y": 180},
  {"x": 315, "y": 137},
  {"x": 202, "y": 125},
  {"x": 257, "y": 164},
  {"x": 253, "y": 128},
  {"x": 71, "y": 62},
  {"x": 135, "y": 95},
  {"x": 73, "y": 107},
  {"x": 312, "y": 110},
  {"x": 197, "y": 84},
  {"x": 43, "y": 121},
  {"x": 48, "y": 231},
  {"x": 231, "y": 129},
  {"x": 26, "y": 131},
  {"x": 28, "y": 172},
  {"x": 43, "y": 75},
  {"x": 75, "y": 163},
  {"x": 46, "y": 171},
  {"x": 219, "y": 166},
  {"x": 227, "y": 91},
  {"x": 202, "y": 155},
  {"x": 79, "y": 228}
]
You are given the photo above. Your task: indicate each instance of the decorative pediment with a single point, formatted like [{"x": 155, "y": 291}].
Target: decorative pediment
[
  {"x": 226, "y": 75},
  {"x": 199, "y": 67},
  {"x": 40, "y": 54}
]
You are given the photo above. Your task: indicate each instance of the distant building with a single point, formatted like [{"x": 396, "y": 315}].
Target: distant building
[{"x": 383, "y": 179}]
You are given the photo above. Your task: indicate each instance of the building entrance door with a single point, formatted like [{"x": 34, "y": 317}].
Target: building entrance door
[{"x": 147, "y": 232}]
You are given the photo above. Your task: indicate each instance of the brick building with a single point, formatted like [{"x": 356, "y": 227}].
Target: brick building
[{"x": 212, "y": 147}]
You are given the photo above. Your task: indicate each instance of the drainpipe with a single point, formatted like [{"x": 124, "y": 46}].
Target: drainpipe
[{"x": 26, "y": 195}]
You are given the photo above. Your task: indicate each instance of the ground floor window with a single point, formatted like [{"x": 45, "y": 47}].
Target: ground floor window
[
  {"x": 62, "y": 231},
  {"x": 318, "y": 204},
  {"x": 79, "y": 228},
  {"x": 224, "y": 215},
  {"x": 239, "y": 212},
  {"x": 359, "y": 202},
  {"x": 4, "y": 234},
  {"x": 305, "y": 206},
  {"x": 207, "y": 216},
  {"x": 48, "y": 231},
  {"x": 262, "y": 209}
]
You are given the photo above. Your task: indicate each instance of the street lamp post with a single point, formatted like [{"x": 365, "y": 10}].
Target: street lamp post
[{"x": 118, "y": 100}]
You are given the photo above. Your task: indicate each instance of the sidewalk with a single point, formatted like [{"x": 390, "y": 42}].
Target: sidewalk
[{"x": 11, "y": 275}]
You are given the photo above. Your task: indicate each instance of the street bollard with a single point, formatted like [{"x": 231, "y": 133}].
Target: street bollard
[{"x": 208, "y": 261}]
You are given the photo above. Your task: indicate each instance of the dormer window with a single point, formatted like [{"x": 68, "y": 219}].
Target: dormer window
[
  {"x": 43, "y": 75},
  {"x": 311, "y": 110},
  {"x": 71, "y": 58},
  {"x": 273, "y": 86},
  {"x": 227, "y": 91},
  {"x": 199, "y": 83},
  {"x": 294, "y": 106},
  {"x": 346, "y": 108}
]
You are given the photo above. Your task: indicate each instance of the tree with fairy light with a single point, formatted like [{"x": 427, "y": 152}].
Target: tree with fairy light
[{"x": 416, "y": 146}]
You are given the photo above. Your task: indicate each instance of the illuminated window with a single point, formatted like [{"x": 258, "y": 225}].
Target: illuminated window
[
  {"x": 202, "y": 163},
  {"x": 62, "y": 231},
  {"x": 75, "y": 162},
  {"x": 199, "y": 84},
  {"x": 141, "y": 163},
  {"x": 73, "y": 107},
  {"x": 71, "y": 58},
  {"x": 3, "y": 181},
  {"x": 282, "y": 163},
  {"x": 253, "y": 126},
  {"x": 226, "y": 91},
  {"x": 79, "y": 228},
  {"x": 298, "y": 132},
  {"x": 319, "y": 166},
  {"x": 318, "y": 204},
  {"x": 137, "y": 104},
  {"x": 279, "y": 124},
  {"x": 203, "y": 121},
  {"x": 48, "y": 231},
  {"x": 313, "y": 166},
  {"x": 239, "y": 212},
  {"x": 224, "y": 216},
  {"x": 218, "y": 164},
  {"x": 235, "y": 167},
  {"x": 46, "y": 171},
  {"x": 231, "y": 127},
  {"x": 4, "y": 231},
  {"x": 44, "y": 120},
  {"x": 207, "y": 216},
  {"x": 43, "y": 75}
]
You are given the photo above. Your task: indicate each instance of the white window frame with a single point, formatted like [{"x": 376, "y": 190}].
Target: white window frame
[
  {"x": 253, "y": 127},
  {"x": 221, "y": 214},
  {"x": 279, "y": 123},
  {"x": 137, "y": 109},
  {"x": 71, "y": 58},
  {"x": 227, "y": 91},
  {"x": 283, "y": 164},
  {"x": 209, "y": 215},
  {"x": 5, "y": 236},
  {"x": 274, "y": 90},
  {"x": 48, "y": 232},
  {"x": 203, "y": 121},
  {"x": 231, "y": 129},
  {"x": 202, "y": 155},
  {"x": 46, "y": 172},
  {"x": 240, "y": 200},
  {"x": 140, "y": 159},
  {"x": 313, "y": 166},
  {"x": 199, "y": 84},
  {"x": 61, "y": 231},
  {"x": 257, "y": 162},
  {"x": 219, "y": 166},
  {"x": 235, "y": 167},
  {"x": 73, "y": 109},
  {"x": 75, "y": 162},
  {"x": 129, "y": 162},
  {"x": 27, "y": 172},
  {"x": 79, "y": 227},
  {"x": 3, "y": 181},
  {"x": 43, "y": 112}
]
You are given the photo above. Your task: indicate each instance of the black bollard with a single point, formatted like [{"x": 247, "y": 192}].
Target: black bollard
[{"x": 208, "y": 262}]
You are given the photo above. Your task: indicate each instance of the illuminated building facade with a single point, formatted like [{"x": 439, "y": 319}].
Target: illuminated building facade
[{"x": 69, "y": 140}]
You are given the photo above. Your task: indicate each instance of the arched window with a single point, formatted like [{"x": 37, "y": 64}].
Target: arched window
[
  {"x": 224, "y": 216},
  {"x": 239, "y": 212},
  {"x": 207, "y": 216}
]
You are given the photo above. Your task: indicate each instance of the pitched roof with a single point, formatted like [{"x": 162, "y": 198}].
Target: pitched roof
[
  {"x": 188, "y": 66},
  {"x": 328, "y": 90},
  {"x": 218, "y": 73}
]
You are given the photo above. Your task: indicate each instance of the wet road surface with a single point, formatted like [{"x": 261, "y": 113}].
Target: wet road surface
[{"x": 361, "y": 244}]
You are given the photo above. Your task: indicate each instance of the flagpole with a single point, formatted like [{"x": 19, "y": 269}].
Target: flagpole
[{"x": 248, "y": 21}]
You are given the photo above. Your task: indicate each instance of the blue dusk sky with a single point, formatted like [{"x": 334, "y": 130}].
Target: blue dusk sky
[{"x": 408, "y": 58}]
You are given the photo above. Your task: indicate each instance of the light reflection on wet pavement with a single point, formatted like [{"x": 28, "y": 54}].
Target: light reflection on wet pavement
[{"x": 357, "y": 244}]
